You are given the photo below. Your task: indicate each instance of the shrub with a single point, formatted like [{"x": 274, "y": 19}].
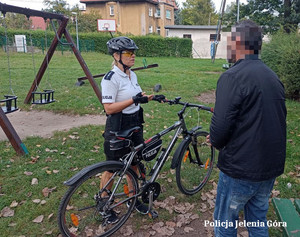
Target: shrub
[
  {"x": 282, "y": 55},
  {"x": 149, "y": 46}
]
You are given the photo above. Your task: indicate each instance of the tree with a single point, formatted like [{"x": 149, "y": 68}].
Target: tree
[
  {"x": 198, "y": 12},
  {"x": 57, "y": 6},
  {"x": 16, "y": 21},
  {"x": 88, "y": 22},
  {"x": 269, "y": 14}
]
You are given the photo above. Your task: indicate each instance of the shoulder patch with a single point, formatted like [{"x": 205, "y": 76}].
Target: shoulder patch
[{"x": 108, "y": 75}]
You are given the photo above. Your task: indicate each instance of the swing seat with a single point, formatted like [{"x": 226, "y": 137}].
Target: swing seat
[
  {"x": 41, "y": 98},
  {"x": 10, "y": 104}
]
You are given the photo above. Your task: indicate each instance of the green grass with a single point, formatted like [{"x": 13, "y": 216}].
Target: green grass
[{"x": 178, "y": 76}]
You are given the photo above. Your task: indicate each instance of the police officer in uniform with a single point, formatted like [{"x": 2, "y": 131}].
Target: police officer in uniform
[{"x": 121, "y": 98}]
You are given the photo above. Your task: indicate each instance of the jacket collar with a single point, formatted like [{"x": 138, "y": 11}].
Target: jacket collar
[{"x": 247, "y": 57}]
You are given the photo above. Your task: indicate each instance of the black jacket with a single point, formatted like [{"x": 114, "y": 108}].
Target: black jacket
[{"x": 249, "y": 122}]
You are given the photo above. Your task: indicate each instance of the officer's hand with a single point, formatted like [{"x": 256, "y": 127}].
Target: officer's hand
[{"x": 140, "y": 99}]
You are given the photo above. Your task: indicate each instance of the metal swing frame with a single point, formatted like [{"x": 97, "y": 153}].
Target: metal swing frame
[{"x": 63, "y": 21}]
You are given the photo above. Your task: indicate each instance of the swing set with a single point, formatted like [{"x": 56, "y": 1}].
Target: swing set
[{"x": 35, "y": 96}]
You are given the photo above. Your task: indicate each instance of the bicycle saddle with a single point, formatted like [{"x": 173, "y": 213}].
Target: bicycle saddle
[{"x": 127, "y": 132}]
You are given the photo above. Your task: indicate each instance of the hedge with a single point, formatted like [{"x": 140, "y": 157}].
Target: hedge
[
  {"x": 149, "y": 46},
  {"x": 282, "y": 55}
]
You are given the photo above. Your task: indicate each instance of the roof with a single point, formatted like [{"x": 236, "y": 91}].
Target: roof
[
  {"x": 156, "y": 2},
  {"x": 192, "y": 27}
]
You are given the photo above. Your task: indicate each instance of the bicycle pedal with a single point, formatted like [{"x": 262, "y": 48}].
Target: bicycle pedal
[{"x": 153, "y": 214}]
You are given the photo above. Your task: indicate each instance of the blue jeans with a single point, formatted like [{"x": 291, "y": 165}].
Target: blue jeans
[{"x": 234, "y": 195}]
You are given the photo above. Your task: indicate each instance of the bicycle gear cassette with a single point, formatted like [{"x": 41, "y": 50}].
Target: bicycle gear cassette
[{"x": 151, "y": 187}]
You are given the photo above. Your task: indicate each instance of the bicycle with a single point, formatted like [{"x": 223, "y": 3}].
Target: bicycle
[{"x": 87, "y": 205}]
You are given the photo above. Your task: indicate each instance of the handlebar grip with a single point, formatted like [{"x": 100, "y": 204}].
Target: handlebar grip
[{"x": 210, "y": 109}]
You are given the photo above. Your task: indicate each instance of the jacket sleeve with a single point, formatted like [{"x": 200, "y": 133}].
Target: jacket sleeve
[{"x": 227, "y": 107}]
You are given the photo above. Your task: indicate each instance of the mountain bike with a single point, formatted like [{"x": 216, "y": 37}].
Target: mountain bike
[{"x": 87, "y": 206}]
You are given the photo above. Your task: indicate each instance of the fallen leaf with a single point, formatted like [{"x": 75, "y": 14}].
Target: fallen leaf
[
  {"x": 46, "y": 192},
  {"x": 39, "y": 219},
  {"x": 14, "y": 204},
  {"x": 28, "y": 173},
  {"x": 36, "y": 200},
  {"x": 12, "y": 224},
  {"x": 34, "y": 181},
  {"x": 7, "y": 212},
  {"x": 43, "y": 202},
  {"x": 188, "y": 229},
  {"x": 49, "y": 217}
]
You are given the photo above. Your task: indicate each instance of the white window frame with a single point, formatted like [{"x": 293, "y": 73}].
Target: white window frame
[
  {"x": 150, "y": 29},
  {"x": 168, "y": 17},
  {"x": 158, "y": 30},
  {"x": 150, "y": 11},
  {"x": 111, "y": 10}
]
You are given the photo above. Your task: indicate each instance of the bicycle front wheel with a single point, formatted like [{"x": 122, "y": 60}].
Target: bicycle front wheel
[
  {"x": 97, "y": 206},
  {"x": 195, "y": 164}
]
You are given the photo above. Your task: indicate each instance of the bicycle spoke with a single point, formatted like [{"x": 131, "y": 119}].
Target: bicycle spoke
[{"x": 88, "y": 210}]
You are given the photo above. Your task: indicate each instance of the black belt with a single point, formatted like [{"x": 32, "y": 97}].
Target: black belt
[{"x": 134, "y": 115}]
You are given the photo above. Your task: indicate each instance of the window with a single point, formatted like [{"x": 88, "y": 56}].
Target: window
[
  {"x": 111, "y": 10},
  {"x": 212, "y": 37},
  {"x": 157, "y": 13},
  {"x": 187, "y": 36},
  {"x": 158, "y": 30},
  {"x": 150, "y": 29},
  {"x": 168, "y": 14},
  {"x": 150, "y": 11},
  {"x": 167, "y": 32}
]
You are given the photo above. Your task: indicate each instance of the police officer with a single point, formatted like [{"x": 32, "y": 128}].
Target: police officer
[{"x": 121, "y": 98}]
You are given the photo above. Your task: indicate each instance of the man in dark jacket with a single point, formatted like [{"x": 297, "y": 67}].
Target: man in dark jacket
[{"x": 249, "y": 129}]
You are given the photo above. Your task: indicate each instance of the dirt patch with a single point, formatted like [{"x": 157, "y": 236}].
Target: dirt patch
[
  {"x": 44, "y": 124},
  {"x": 207, "y": 97}
]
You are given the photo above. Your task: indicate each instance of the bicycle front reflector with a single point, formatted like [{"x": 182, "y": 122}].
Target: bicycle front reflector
[
  {"x": 74, "y": 219},
  {"x": 206, "y": 163},
  {"x": 126, "y": 189},
  {"x": 186, "y": 156}
]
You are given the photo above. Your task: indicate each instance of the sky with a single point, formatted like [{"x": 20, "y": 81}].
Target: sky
[{"x": 38, "y": 4}]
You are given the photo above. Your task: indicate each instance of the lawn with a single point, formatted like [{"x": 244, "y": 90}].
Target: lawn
[{"x": 54, "y": 160}]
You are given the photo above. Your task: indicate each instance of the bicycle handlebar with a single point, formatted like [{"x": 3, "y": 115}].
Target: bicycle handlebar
[{"x": 187, "y": 104}]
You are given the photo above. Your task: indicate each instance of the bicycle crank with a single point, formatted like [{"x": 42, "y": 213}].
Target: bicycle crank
[{"x": 152, "y": 189}]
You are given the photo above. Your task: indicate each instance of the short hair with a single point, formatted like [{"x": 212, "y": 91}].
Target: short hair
[{"x": 251, "y": 35}]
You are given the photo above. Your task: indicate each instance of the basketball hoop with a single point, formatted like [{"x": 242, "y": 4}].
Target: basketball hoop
[{"x": 106, "y": 25}]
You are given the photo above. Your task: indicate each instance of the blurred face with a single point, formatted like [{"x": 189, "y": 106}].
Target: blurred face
[{"x": 232, "y": 45}]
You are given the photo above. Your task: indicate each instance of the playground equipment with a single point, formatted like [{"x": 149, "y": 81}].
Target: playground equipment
[
  {"x": 214, "y": 45},
  {"x": 10, "y": 101},
  {"x": 62, "y": 22}
]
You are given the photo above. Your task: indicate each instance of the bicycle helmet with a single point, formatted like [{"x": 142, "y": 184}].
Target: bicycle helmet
[{"x": 119, "y": 44}]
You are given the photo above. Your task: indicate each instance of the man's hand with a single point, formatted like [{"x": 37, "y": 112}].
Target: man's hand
[{"x": 208, "y": 139}]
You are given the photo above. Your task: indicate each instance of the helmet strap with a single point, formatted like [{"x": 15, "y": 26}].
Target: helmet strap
[{"x": 125, "y": 67}]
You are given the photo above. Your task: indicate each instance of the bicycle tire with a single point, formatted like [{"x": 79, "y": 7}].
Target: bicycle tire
[
  {"x": 191, "y": 177},
  {"x": 81, "y": 211}
]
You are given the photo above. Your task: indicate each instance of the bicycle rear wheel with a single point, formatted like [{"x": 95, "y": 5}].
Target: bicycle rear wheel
[
  {"x": 86, "y": 209},
  {"x": 192, "y": 173}
]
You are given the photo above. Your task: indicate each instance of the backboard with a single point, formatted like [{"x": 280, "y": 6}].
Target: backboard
[{"x": 106, "y": 25}]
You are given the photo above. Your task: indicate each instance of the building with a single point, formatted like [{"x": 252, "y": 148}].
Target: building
[
  {"x": 137, "y": 17},
  {"x": 38, "y": 23},
  {"x": 202, "y": 37}
]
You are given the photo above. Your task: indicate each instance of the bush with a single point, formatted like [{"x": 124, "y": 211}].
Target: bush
[
  {"x": 149, "y": 46},
  {"x": 282, "y": 55}
]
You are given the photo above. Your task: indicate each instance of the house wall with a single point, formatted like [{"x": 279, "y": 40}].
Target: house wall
[
  {"x": 133, "y": 17},
  {"x": 201, "y": 41}
]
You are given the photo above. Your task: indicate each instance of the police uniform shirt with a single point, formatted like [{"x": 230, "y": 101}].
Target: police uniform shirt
[{"x": 117, "y": 86}]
